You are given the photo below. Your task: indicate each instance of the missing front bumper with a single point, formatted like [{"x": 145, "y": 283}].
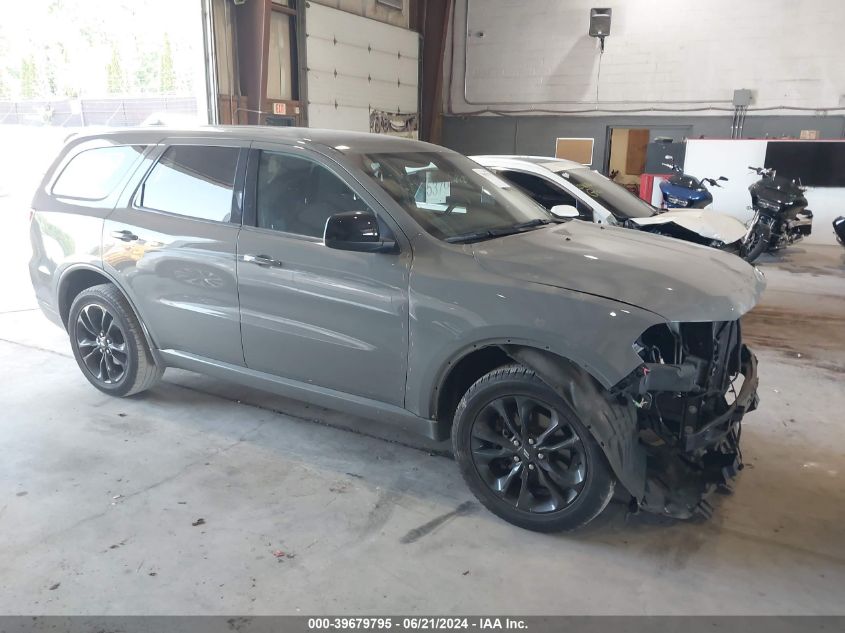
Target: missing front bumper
[
  {"x": 681, "y": 475},
  {"x": 711, "y": 433}
]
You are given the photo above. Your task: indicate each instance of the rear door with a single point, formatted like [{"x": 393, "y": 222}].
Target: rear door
[
  {"x": 172, "y": 244},
  {"x": 335, "y": 319}
]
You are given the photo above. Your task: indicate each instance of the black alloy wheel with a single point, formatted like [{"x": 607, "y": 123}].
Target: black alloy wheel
[
  {"x": 527, "y": 454},
  {"x": 102, "y": 344},
  {"x": 109, "y": 344}
]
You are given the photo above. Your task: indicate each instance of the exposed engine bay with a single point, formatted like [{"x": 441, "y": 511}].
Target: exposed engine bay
[
  {"x": 697, "y": 382},
  {"x": 671, "y": 430}
]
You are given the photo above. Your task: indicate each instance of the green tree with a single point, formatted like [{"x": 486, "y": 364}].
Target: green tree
[
  {"x": 146, "y": 72},
  {"x": 29, "y": 78},
  {"x": 52, "y": 86},
  {"x": 167, "y": 78},
  {"x": 115, "y": 72}
]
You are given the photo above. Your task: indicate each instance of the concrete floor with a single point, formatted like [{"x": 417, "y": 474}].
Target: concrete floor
[{"x": 99, "y": 496}]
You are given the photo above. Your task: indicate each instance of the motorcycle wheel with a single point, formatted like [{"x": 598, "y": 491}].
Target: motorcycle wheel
[{"x": 754, "y": 245}]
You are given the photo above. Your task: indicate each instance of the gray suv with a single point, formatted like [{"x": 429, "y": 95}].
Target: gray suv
[{"x": 401, "y": 281}]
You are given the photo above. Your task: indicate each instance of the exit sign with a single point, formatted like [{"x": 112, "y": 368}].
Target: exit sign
[{"x": 280, "y": 108}]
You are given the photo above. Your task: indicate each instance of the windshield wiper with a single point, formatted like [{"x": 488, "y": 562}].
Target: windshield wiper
[
  {"x": 532, "y": 223},
  {"x": 487, "y": 234},
  {"x": 472, "y": 236}
]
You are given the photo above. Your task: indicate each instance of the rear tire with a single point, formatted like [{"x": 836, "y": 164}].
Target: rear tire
[
  {"x": 108, "y": 342},
  {"x": 525, "y": 454}
]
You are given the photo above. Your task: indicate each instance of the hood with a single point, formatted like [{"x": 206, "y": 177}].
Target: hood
[
  {"x": 678, "y": 280},
  {"x": 709, "y": 224}
]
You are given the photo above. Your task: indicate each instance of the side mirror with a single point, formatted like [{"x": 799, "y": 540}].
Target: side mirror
[
  {"x": 565, "y": 211},
  {"x": 356, "y": 231},
  {"x": 723, "y": 178}
]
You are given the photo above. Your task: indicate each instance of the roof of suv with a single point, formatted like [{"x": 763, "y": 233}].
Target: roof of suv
[
  {"x": 553, "y": 164},
  {"x": 340, "y": 140}
]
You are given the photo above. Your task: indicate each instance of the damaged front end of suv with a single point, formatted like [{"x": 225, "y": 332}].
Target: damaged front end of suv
[
  {"x": 671, "y": 429},
  {"x": 695, "y": 385},
  {"x": 654, "y": 366}
]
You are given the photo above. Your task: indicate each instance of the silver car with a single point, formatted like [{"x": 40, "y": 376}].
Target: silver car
[{"x": 404, "y": 282}]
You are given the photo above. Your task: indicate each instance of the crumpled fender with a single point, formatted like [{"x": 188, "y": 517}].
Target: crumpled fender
[
  {"x": 613, "y": 425},
  {"x": 709, "y": 224}
]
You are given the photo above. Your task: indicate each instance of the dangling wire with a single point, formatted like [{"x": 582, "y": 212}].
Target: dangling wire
[{"x": 598, "y": 72}]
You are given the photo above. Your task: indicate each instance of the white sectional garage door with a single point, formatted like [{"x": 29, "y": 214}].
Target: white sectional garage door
[{"x": 356, "y": 65}]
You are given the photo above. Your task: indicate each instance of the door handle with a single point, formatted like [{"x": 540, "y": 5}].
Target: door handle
[
  {"x": 262, "y": 260},
  {"x": 124, "y": 235}
]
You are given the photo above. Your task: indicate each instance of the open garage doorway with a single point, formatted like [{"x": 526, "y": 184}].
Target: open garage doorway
[
  {"x": 627, "y": 150},
  {"x": 626, "y": 157}
]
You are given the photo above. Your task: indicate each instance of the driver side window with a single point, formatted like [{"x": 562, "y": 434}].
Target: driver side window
[
  {"x": 546, "y": 193},
  {"x": 297, "y": 195}
]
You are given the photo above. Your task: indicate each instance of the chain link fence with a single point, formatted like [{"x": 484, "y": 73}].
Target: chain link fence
[{"x": 107, "y": 111}]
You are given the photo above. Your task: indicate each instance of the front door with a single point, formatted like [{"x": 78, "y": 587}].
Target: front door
[
  {"x": 172, "y": 244},
  {"x": 545, "y": 192},
  {"x": 330, "y": 318}
]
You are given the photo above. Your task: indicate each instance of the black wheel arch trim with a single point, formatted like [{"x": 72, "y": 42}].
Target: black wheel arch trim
[
  {"x": 60, "y": 286},
  {"x": 612, "y": 424},
  {"x": 434, "y": 389}
]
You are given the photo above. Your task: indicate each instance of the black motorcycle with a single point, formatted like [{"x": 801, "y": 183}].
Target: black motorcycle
[
  {"x": 839, "y": 229},
  {"x": 780, "y": 210}
]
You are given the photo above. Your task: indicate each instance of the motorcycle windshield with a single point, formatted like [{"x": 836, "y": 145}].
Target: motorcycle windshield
[
  {"x": 781, "y": 185},
  {"x": 687, "y": 182}
]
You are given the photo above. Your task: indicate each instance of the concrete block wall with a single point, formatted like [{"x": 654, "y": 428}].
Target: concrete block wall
[{"x": 536, "y": 54}]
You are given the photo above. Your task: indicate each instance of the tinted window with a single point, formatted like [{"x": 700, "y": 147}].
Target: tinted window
[
  {"x": 193, "y": 180},
  {"x": 93, "y": 174},
  {"x": 540, "y": 189},
  {"x": 297, "y": 195},
  {"x": 547, "y": 193},
  {"x": 615, "y": 198}
]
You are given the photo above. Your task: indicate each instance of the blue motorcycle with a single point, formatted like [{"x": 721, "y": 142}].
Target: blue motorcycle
[{"x": 682, "y": 191}]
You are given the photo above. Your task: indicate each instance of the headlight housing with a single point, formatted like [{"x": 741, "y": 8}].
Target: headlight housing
[{"x": 765, "y": 204}]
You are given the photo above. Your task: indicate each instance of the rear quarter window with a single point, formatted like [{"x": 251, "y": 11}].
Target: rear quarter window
[
  {"x": 93, "y": 174},
  {"x": 193, "y": 180}
]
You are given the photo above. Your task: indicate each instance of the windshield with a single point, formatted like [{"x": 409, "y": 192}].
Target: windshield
[
  {"x": 453, "y": 197},
  {"x": 614, "y": 197}
]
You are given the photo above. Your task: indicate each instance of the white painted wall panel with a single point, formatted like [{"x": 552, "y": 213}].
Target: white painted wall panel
[
  {"x": 538, "y": 52},
  {"x": 355, "y": 64},
  {"x": 714, "y": 158}
]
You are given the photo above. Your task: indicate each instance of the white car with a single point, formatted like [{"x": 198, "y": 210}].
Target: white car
[{"x": 571, "y": 189}]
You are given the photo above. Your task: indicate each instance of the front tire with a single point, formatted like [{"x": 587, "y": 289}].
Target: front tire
[
  {"x": 108, "y": 342},
  {"x": 756, "y": 243},
  {"x": 525, "y": 454}
]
